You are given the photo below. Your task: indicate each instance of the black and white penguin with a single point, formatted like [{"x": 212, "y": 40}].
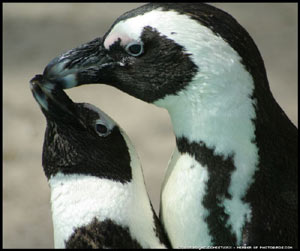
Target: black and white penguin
[
  {"x": 233, "y": 177},
  {"x": 98, "y": 195}
]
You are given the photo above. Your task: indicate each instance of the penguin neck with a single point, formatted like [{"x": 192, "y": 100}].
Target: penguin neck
[
  {"x": 78, "y": 199},
  {"x": 215, "y": 110},
  {"x": 213, "y": 123}
]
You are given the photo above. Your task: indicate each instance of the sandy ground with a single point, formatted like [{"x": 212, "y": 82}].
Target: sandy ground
[{"x": 35, "y": 33}]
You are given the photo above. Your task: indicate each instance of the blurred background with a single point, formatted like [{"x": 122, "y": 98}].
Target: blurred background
[{"x": 34, "y": 33}]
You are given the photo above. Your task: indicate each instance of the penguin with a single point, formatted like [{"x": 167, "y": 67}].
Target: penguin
[
  {"x": 233, "y": 177},
  {"x": 98, "y": 194}
]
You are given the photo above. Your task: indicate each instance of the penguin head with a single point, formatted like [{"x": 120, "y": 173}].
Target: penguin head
[
  {"x": 158, "y": 49},
  {"x": 80, "y": 138}
]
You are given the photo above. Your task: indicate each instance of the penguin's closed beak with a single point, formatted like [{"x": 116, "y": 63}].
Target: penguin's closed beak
[
  {"x": 87, "y": 64},
  {"x": 53, "y": 101}
]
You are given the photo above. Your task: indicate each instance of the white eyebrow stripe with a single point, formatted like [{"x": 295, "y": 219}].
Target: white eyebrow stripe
[
  {"x": 109, "y": 122},
  {"x": 114, "y": 37}
]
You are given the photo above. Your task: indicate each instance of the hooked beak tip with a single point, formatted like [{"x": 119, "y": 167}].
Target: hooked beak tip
[
  {"x": 85, "y": 64},
  {"x": 36, "y": 79}
]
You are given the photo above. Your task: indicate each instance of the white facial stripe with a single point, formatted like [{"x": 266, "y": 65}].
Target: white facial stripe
[
  {"x": 165, "y": 22},
  {"x": 114, "y": 37},
  {"x": 110, "y": 123}
]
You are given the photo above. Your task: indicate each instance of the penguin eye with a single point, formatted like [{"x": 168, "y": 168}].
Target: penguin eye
[
  {"x": 135, "y": 48},
  {"x": 102, "y": 129}
]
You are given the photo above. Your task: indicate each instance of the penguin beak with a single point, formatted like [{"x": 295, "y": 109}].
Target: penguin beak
[
  {"x": 86, "y": 64},
  {"x": 54, "y": 102}
]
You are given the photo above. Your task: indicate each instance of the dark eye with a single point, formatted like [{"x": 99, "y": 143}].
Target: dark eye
[
  {"x": 135, "y": 48},
  {"x": 102, "y": 130}
]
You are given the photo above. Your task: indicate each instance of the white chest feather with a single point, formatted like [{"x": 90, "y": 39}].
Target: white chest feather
[
  {"x": 206, "y": 111},
  {"x": 181, "y": 198},
  {"x": 77, "y": 199}
]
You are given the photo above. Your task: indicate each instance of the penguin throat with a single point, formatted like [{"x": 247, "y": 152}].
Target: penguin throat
[
  {"x": 219, "y": 114},
  {"x": 77, "y": 199},
  {"x": 217, "y": 110}
]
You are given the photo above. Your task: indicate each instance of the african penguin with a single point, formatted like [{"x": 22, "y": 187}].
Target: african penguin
[
  {"x": 233, "y": 177},
  {"x": 98, "y": 195}
]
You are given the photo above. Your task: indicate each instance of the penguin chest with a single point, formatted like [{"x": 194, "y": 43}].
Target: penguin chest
[
  {"x": 78, "y": 199},
  {"x": 182, "y": 211}
]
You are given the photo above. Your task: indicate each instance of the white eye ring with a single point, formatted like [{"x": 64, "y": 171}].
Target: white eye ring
[
  {"x": 101, "y": 129},
  {"x": 135, "y": 48}
]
